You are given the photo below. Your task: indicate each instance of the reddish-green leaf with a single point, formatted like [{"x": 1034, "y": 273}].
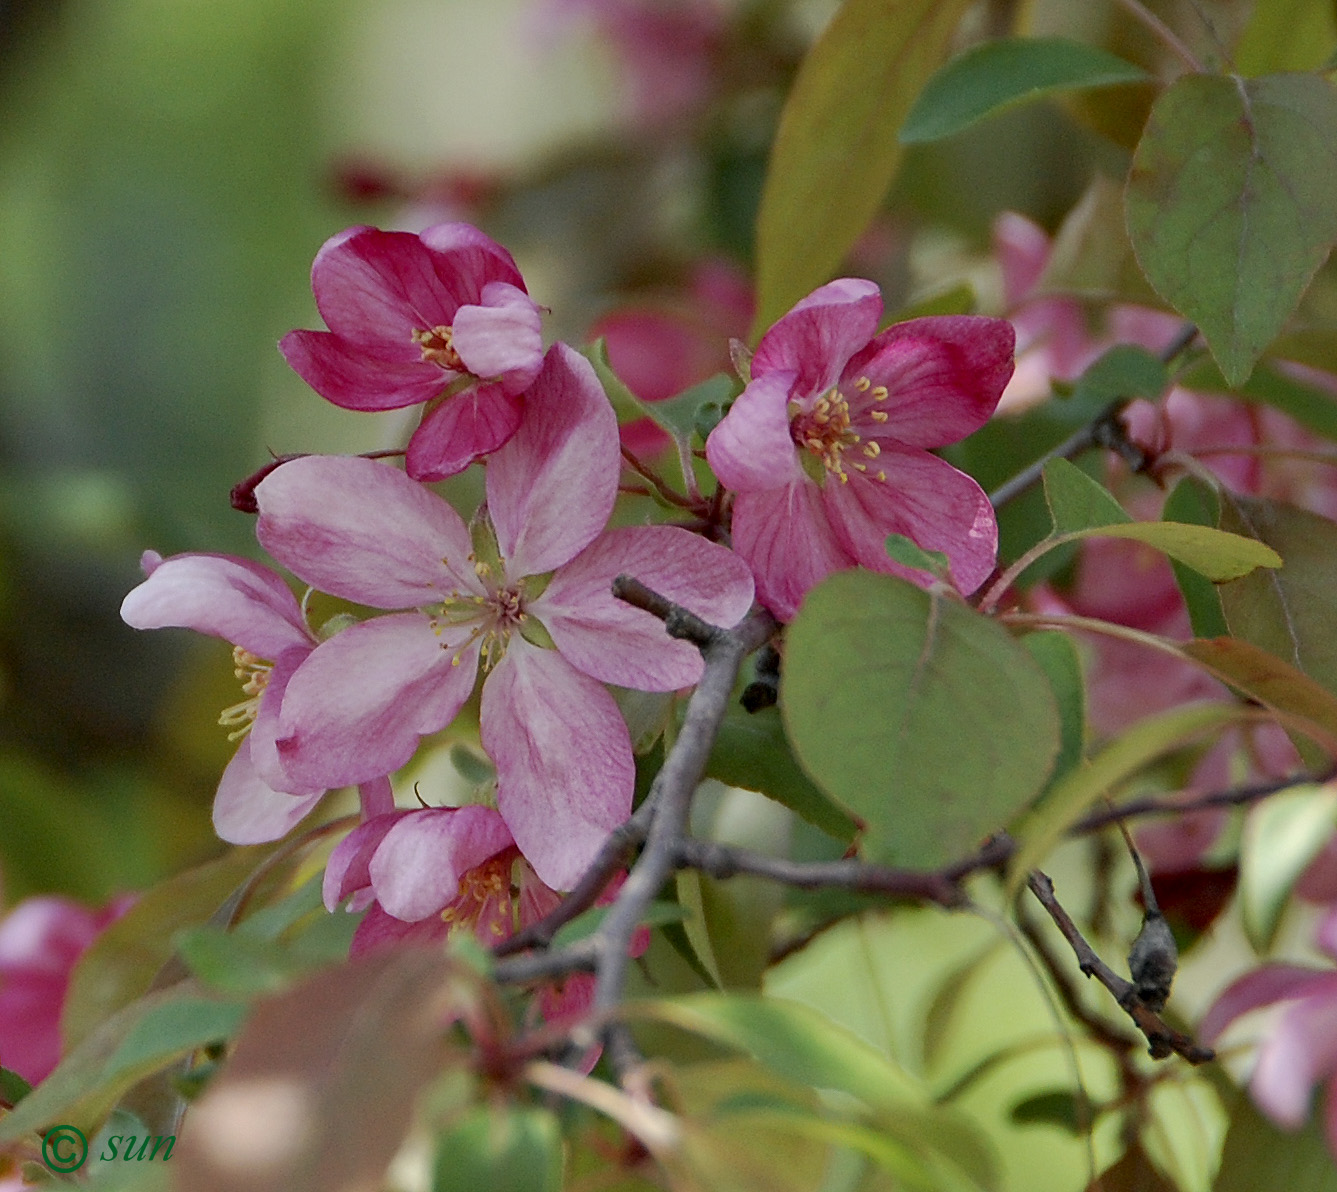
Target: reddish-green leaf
[
  {"x": 1232, "y": 204},
  {"x": 836, "y": 150}
]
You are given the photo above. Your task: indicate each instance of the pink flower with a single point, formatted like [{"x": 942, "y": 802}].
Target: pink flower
[
  {"x": 440, "y": 317},
  {"x": 41, "y": 939},
  {"x": 358, "y": 705},
  {"x": 250, "y": 606},
  {"x": 827, "y": 447},
  {"x": 1301, "y": 1049}
]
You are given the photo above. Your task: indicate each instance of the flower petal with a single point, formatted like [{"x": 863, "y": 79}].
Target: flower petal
[
  {"x": 751, "y": 449},
  {"x": 223, "y": 596},
  {"x": 821, "y": 332},
  {"x": 247, "y": 810},
  {"x": 364, "y": 531},
  {"x": 787, "y": 540},
  {"x": 361, "y": 377},
  {"x": 379, "y": 931},
  {"x": 418, "y": 867},
  {"x": 261, "y": 739},
  {"x": 1301, "y": 1051},
  {"x": 925, "y": 499},
  {"x": 613, "y": 642},
  {"x": 357, "y": 706},
  {"x": 1262, "y": 987},
  {"x": 551, "y": 488},
  {"x": 944, "y": 376},
  {"x": 501, "y": 337},
  {"x": 564, "y": 766},
  {"x": 349, "y": 866},
  {"x": 463, "y": 428}
]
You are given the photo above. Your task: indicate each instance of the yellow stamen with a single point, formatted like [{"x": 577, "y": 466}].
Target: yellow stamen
[{"x": 438, "y": 347}]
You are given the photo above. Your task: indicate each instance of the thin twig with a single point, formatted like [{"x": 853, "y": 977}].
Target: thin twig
[
  {"x": 1163, "y": 33},
  {"x": 648, "y": 474}
]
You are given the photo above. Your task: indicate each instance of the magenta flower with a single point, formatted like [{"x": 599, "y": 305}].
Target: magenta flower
[
  {"x": 827, "y": 447},
  {"x": 357, "y": 707},
  {"x": 251, "y": 607},
  {"x": 1301, "y": 1048},
  {"x": 440, "y": 317},
  {"x": 41, "y": 939}
]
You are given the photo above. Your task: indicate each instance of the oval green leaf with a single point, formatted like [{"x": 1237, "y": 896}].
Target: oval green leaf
[
  {"x": 926, "y": 720},
  {"x": 1281, "y": 836},
  {"x": 1232, "y": 204},
  {"x": 1010, "y": 70},
  {"x": 836, "y": 152}
]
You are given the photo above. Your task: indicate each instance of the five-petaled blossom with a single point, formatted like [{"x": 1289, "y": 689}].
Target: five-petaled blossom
[
  {"x": 1300, "y": 1050},
  {"x": 827, "y": 446},
  {"x": 358, "y": 705},
  {"x": 440, "y": 317}
]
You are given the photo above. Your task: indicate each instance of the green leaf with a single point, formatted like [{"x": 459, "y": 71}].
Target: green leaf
[
  {"x": 1062, "y": 664},
  {"x": 1059, "y": 1108},
  {"x": 1010, "y": 70},
  {"x": 836, "y": 152},
  {"x": 927, "y": 720},
  {"x": 751, "y": 751},
  {"x": 1289, "y": 612},
  {"x": 1281, "y": 836},
  {"x": 1217, "y": 554},
  {"x": 1286, "y": 35},
  {"x": 1232, "y": 204},
  {"x": 174, "y": 1028},
  {"x": 500, "y": 1147},
  {"x": 1076, "y": 502},
  {"x": 1123, "y": 371},
  {"x": 1193, "y": 503},
  {"x": 1070, "y": 798},
  {"x": 909, "y": 553},
  {"x": 13, "y": 1087}
]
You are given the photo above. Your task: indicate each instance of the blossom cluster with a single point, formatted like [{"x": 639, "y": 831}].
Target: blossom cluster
[{"x": 825, "y": 453}]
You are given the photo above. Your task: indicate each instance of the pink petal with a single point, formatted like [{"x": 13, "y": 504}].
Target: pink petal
[
  {"x": 943, "y": 376},
  {"x": 360, "y": 376},
  {"x": 564, "y": 766},
  {"x": 470, "y": 255},
  {"x": 925, "y": 499},
  {"x": 418, "y": 867},
  {"x": 358, "y": 705},
  {"x": 261, "y": 740},
  {"x": 613, "y": 642},
  {"x": 1022, "y": 250},
  {"x": 374, "y": 288},
  {"x": 821, "y": 332},
  {"x": 1262, "y": 987},
  {"x": 751, "y": 449},
  {"x": 364, "y": 531},
  {"x": 1301, "y": 1051},
  {"x": 349, "y": 867},
  {"x": 501, "y": 336},
  {"x": 787, "y": 540},
  {"x": 377, "y": 797},
  {"x": 551, "y": 488},
  {"x": 247, "y": 810},
  {"x": 461, "y": 429},
  {"x": 379, "y": 931},
  {"x": 223, "y": 596}
]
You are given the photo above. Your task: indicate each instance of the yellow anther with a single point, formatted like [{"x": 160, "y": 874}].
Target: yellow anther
[
  {"x": 882, "y": 476},
  {"x": 872, "y": 450},
  {"x": 862, "y": 384},
  {"x": 880, "y": 393},
  {"x": 878, "y": 415},
  {"x": 438, "y": 347}
]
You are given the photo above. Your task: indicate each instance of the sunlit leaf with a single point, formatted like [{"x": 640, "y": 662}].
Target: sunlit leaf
[
  {"x": 1232, "y": 204},
  {"x": 1005, "y": 71},
  {"x": 1286, "y": 35},
  {"x": 925, "y": 719},
  {"x": 1281, "y": 836},
  {"x": 835, "y": 152}
]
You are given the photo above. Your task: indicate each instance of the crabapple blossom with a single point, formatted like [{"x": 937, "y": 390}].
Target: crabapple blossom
[
  {"x": 537, "y": 573},
  {"x": 827, "y": 446},
  {"x": 441, "y": 317}
]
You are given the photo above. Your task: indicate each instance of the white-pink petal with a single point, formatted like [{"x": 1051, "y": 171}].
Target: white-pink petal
[
  {"x": 501, "y": 336},
  {"x": 221, "y": 595},
  {"x": 565, "y": 771},
  {"x": 551, "y": 489},
  {"x": 357, "y": 707},
  {"x": 613, "y": 642},
  {"x": 1301, "y": 1051},
  {"x": 751, "y": 449},
  {"x": 364, "y": 531},
  {"x": 247, "y": 810}
]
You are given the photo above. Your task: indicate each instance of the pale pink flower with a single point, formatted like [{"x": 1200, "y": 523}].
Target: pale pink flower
[
  {"x": 441, "y": 317},
  {"x": 251, "y": 607},
  {"x": 41, "y": 940},
  {"x": 827, "y": 447},
  {"x": 357, "y": 707},
  {"x": 1300, "y": 1049}
]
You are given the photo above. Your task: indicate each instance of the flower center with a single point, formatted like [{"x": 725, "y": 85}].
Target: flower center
[
  {"x": 483, "y": 904},
  {"x": 494, "y": 616},
  {"x": 254, "y": 676},
  {"x": 826, "y": 430},
  {"x": 438, "y": 347}
]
